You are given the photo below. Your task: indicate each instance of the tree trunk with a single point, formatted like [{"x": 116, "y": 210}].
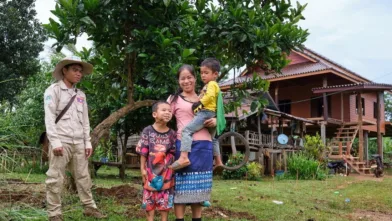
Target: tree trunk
[
  {"x": 124, "y": 157},
  {"x": 106, "y": 124}
]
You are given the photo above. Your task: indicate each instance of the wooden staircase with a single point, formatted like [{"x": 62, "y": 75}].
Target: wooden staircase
[{"x": 341, "y": 146}]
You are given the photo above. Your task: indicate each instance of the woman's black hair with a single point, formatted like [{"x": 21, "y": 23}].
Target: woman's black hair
[{"x": 191, "y": 70}]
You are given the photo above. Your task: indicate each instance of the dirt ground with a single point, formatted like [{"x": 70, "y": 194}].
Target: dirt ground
[
  {"x": 370, "y": 215},
  {"x": 14, "y": 191},
  {"x": 128, "y": 195},
  {"x": 17, "y": 191}
]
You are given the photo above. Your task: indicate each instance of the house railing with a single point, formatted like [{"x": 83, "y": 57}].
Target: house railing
[{"x": 253, "y": 138}]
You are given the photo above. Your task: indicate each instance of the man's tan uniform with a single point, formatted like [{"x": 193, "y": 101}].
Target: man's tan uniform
[{"x": 72, "y": 132}]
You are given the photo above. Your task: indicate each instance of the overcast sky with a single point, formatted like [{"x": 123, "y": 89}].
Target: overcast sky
[{"x": 354, "y": 33}]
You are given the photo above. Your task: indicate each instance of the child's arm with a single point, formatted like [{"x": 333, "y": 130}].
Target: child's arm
[
  {"x": 211, "y": 94},
  {"x": 142, "y": 148},
  {"x": 143, "y": 170}
]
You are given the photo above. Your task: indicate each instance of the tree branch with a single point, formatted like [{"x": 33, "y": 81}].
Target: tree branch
[{"x": 106, "y": 124}]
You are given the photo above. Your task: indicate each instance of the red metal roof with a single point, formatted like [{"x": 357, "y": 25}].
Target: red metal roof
[
  {"x": 291, "y": 70},
  {"x": 353, "y": 87},
  {"x": 321, "y": 63}
]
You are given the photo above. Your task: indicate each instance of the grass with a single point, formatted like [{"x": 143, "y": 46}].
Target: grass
[{"x": 302, "y": 200}]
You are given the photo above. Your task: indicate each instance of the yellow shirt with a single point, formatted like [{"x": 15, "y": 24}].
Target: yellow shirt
[{"x": 209, "y": 95}]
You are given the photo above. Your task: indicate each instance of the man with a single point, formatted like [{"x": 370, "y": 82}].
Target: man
[{"x": 70, "y": 145}]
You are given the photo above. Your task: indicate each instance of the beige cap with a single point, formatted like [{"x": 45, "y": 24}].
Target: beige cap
[{"x": 58, "y": 71}]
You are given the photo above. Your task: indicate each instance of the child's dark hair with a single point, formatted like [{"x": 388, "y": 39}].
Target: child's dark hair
[
  {"x": 156, "y": 105},
  {"x": 211, "y": 63},
  {"x": 179, "y": 91}
]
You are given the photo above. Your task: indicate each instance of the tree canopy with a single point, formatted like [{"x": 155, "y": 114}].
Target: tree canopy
[
  {"x": 21, "y": 41},
  {"x": 140, "y": 44}
]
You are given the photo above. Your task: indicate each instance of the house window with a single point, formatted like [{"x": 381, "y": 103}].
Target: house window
[
  {"x": 317, "y": 106},
  {"x": 285, "y": 106},
  {"x": 375, "y": 109},
  {"x": 363, "y": 106}
]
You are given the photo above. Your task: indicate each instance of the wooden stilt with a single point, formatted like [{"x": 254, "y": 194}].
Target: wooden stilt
[
  {"x": 380, "y": 97},
  {"x": 360, "y": 130}
]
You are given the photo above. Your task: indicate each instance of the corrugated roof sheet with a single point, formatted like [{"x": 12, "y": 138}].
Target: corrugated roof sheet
[
  {"x": 301, "y": 68},
  {"x": 323, "y": 63},
  {"x": 354, "y": 85}
]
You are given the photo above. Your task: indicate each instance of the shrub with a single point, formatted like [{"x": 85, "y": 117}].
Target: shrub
[
  {"x": 301, "y": 166},
  {"x": 236, "y": 174},
  {"x": 254, "y": 171},
  {"x": 314, "y": 147}
]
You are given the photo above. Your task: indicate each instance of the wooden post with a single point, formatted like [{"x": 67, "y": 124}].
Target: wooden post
[
  {"x": 341, "y": 107},
  {"x": 259, "y": 128},
  {"x": 280, "y": 161},
  {"x": 323, "y": 132},
  {"x": 272, "y": 131},
  {"x": 340, "y": 149},
  {"x": 276, "y": 94},
  {"x": 360, "y": 130},
  {"x": 348, "y": 148},
  {"x": 260, "y": 156},
  {"x": 366, "y": 145},
  {"x": 325, "y": 101},
  {"x": 285, "y": 160},
  {"x": 272, "y": 164},
  {"x": 232, "y": 140},
  {"x": 380, "y": 97},
  {"x": 280, "y": 131}
]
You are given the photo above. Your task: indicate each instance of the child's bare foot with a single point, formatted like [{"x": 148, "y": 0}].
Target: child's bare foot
[
  {"x": 180, "y": 163},
  {"x": 218, "y": 162}
]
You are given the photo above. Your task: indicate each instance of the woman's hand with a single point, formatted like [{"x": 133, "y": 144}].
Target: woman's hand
[{"x": 210, "y": 122}]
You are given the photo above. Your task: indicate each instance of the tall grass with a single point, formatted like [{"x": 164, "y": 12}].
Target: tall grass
[{"x": 303, "y": 167}]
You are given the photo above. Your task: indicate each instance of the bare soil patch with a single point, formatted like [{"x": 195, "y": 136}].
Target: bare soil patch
[
  {"x": 129, "y": 195},
  {"x": 17, "y": 191},
  {"x": 370, "y": 215},
  {"x": 222, "y": 213},
  {"x": 368, "y": 177},
  {"x": 27, "y": 197},
  {"x": 124, "y": 194}
]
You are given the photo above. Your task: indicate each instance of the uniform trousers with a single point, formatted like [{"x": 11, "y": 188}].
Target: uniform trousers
[{"x": 74, "y": 159}]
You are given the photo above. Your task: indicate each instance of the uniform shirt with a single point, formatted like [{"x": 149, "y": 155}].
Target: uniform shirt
[
  {"x": 209, "y": 95},
  {"x": 74, "y": 125}
]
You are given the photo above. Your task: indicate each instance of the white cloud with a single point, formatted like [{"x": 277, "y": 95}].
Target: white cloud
[
  {"x": 354, "y": 33},
  {"x": 43, "y": 8}
]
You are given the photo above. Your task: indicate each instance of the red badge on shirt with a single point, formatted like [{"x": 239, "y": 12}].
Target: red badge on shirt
[{"x": 80, "y": 100}]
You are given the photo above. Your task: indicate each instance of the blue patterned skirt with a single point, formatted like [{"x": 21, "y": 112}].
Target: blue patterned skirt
[{"x": 193, "y": 183}]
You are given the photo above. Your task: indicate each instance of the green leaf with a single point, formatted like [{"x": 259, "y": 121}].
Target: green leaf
[
  {"x": 87, "y": 20},
  {"x": 243, "y": 38},
  {"x": 253, "y": 106},
  {"x": 187, "y": 52},
  {"x": 142, "y": 55},
  {"x": 166, "y": 42},
  {"x": 166, "y": 2}
]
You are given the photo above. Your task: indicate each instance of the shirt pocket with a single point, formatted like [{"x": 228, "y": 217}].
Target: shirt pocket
[{"x": 79, "y": 108}]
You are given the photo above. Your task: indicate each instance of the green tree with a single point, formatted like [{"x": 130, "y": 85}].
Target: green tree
[
  {"x": 21, "y": 40},
  {"x": 140, "y": 44}
]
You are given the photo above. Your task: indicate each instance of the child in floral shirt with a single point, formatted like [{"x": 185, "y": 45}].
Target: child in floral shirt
[{"x": 157, "y": 148}]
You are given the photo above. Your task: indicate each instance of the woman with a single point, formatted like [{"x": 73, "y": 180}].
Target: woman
[{"x": 193, "y": 183}]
